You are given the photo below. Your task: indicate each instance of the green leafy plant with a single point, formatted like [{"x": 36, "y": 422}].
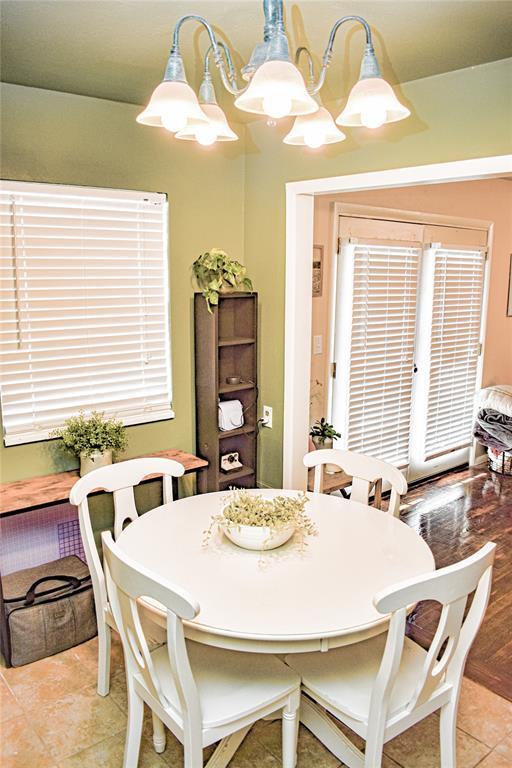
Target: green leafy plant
[
  {"x": 84, "y": 435},
  {"x": 214, "y": 270},
  {"x": 323, "y": 431},
  {"x": 243, "y": 508}
]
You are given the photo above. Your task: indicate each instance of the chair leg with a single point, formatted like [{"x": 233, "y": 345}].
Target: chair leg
[
  {"x": 448, "y": 723},
  {"x": 104, "y": 637},
  {"x": 373, "y": 753},
  {"x": 193, "y": 755},
  {"x": 158, "y": 734},
  {"x": 290, "y": 731},
  {"x": 133, "y": 728}
]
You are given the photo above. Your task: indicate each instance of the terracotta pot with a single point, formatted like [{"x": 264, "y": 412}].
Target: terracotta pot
[
  {"x": 94, "y": 461},
  {"x": 319, "y": 444}
]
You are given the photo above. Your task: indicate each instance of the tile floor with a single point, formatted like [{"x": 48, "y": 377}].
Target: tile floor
[{"x": 51, "y": 717}]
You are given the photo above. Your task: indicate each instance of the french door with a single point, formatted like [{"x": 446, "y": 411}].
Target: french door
[{"x": 407, "y": 326}]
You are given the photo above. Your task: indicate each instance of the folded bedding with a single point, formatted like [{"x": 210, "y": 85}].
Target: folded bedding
[
  {"x": 493, "y": 429},
  {"x": 497, "y": 398}
]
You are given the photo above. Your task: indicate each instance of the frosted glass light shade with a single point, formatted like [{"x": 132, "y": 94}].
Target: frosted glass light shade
[
  {"x": 371, "y": 103},
  {"x": 172, "y": 104},
  {"x": 194, "y": 130},
  {"x": 314, "y": 130},
  {"x": 277, "y": 89}
]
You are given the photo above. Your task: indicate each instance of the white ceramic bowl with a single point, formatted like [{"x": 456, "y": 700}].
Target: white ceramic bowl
[{"x": 258, "y": 537}]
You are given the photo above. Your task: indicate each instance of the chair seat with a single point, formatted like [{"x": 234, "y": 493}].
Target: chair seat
[
  {"x": 230, "y": 684},
  {"x": 344, "y": 677}
]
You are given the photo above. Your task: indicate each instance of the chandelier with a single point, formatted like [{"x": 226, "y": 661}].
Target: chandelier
[{"x": 276, "y": 88}]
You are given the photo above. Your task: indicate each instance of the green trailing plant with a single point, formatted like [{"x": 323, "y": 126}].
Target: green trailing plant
[
  {"x": 244, "y": 508},
  {"x": 323, "y": 431},
  {"x": 84, "y": 435},
  {"x": 215, "y": 270}
]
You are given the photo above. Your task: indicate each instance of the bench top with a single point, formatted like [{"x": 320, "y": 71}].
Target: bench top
[{"x": 34, "y": 492}]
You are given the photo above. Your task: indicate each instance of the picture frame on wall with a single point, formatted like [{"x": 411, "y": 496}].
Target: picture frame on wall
[
  {"x": 509, "y": 304},
  {"x": 318, "y": 266}
]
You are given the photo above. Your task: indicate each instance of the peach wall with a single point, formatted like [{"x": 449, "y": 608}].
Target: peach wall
[{"x": 489, "y": 200}]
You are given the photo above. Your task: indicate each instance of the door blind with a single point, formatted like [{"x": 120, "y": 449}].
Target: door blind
[
  {"x": 382, "y": 349},
  {"x": 84, "y": 305},
  {"x": 454, "y": 347}
]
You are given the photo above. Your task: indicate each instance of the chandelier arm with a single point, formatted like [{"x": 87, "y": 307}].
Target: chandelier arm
[
  {"x": 328, "y": 51},
  {"x": 311, "y": 68},
  {"x": 228, "y": 80},
  {"x": 229, "y": 61}
]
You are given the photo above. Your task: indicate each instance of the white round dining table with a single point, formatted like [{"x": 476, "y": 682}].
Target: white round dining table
[{"x": 292, "y": 599}]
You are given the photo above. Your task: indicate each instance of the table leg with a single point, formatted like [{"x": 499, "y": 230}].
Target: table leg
[
  {"x": 227, "y": 748},
  {"x": 316, "y": 720}
]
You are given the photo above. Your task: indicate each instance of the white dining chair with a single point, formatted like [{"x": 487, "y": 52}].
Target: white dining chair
[
  {"x": 118, "y": 479},
  {"x": 367, "y": 474},
  {"x": 382, "y": 686},
  {"x": 202, "y": 694}
]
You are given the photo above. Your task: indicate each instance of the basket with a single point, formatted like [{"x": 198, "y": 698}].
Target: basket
[{"x": 500, "y": 462}]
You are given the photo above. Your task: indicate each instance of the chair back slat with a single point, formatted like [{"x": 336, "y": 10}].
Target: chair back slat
[
  {"x": 125, "y": 509},
  {"x": 454, "y": 635},
  {"x": 128, "y": 581},
  {"x": 367, "y": 475}
]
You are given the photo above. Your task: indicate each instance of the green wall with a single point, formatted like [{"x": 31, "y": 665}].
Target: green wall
[
  {"x": 59, "y": 137},
  {"x": 233, "y": 197},
  {"x": 457, "y": 115}
]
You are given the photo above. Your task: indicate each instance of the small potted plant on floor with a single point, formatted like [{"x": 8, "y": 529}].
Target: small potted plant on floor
[
  {"x": 216, "y": 272},
  {"x": 253, "y": 522},
  {"x": 323, "y": 434},
  {"x": 93, "y": 439}
]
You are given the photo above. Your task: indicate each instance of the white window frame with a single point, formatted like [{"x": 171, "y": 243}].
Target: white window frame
[
  {"x": 161, "y": 407},
  {"x": 374, "y": 220}
]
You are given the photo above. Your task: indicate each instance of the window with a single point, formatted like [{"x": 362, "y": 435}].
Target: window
[{"x": 84, "y": 302}]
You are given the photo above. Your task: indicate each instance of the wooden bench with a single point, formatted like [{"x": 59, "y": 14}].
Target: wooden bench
[{"x": 35, "y": 492}]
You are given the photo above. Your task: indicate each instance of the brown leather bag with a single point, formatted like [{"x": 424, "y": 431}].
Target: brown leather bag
[{"x": 45, "y": 610}]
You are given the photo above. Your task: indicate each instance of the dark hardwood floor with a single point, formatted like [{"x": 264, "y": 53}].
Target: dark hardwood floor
[{"x": 456, "y": 514}]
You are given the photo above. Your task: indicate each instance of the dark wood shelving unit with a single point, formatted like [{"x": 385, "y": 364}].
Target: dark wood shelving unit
[{"x": 226, "y": 346}]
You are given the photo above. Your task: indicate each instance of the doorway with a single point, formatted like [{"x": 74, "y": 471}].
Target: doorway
[{"x": 300, "y": 197}]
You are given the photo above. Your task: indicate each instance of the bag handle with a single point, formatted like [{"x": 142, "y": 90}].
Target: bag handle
[{"x": 70, "y": 581}]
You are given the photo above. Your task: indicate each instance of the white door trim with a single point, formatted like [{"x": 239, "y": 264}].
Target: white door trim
[{"x": 299, "y": 246}]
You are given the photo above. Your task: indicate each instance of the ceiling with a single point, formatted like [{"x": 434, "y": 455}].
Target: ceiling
[{"x": 117, "y": 49}]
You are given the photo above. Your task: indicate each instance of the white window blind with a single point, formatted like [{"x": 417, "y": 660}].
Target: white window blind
[
  {"x": 84, "y": 303},
  {"x": 454, "y": 346},
  {"x": 385, "y": 277}
]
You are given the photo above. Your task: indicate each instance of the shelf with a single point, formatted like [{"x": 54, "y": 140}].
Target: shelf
[
  {"x": 245, "y": 430},
  {"x": 233, "y": 341},
  {"x": 235, "y": 387},
  {"x": 228, "y": 478}
]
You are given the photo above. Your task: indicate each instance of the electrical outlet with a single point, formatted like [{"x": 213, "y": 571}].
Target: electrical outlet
[{"x": 267, "y": 416}]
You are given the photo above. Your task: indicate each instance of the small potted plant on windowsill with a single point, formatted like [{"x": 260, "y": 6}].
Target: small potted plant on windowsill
[
  {"x": 323, "y": 434},
  {"x": 93, "y": 439},
  {"x": 216, "y": 272}
]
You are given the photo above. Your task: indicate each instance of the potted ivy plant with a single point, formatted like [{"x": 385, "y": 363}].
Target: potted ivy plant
[
  {"x": 93, "y": 439},
  {"x": 323, "y": 434},
  {"x": 252, "y": 521},
  {"x": 215, "y": 272}
]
